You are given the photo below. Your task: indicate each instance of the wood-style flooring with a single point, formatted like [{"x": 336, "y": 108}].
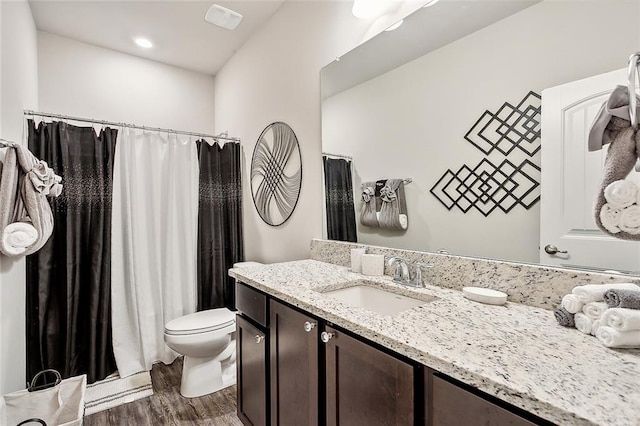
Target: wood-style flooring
[{"x": 168, "y": 407}]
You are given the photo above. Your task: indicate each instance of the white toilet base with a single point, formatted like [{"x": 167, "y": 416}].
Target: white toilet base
[{"x": 202, "y": 376}]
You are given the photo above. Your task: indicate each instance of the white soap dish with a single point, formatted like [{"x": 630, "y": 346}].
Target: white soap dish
[{"x": 485, "y": 295}]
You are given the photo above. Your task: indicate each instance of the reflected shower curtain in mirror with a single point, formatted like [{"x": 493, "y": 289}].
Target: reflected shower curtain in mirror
[
  {"x": 68, "y": 306},
  {"x": 338, "y": 186},
  {"x": 155, "y": 220},
  {"x": 219, "y": 223}
]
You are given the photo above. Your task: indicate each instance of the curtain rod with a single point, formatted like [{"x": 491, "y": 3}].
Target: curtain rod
[
  {"x": 346, "y": 157},
  {"x": 222, "y": 136}
]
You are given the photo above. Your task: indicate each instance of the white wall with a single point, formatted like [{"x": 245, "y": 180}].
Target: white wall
[
  {"x": 410, "y": 122},
  {"x": 275, "y": 76},
  {"x": 18, "y": 90},
  {"x": 87, "y": 81}
]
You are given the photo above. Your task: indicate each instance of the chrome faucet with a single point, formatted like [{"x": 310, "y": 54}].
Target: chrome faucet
[
  {"x": 418, "y": 278},
  {"x": 401, "y": 274}
]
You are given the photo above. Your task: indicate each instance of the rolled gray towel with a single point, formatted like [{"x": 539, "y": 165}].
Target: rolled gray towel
[
  {"x": 564, "y": 317},
  {"x": 622, "y": 299}
]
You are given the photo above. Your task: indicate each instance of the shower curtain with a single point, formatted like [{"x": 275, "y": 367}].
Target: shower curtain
[
  {"x": 68, "y": 310},
  {"x": 155, "y": 220},
  {"x": 219, "y": 223},
  {"x": 341, "y": 216}
]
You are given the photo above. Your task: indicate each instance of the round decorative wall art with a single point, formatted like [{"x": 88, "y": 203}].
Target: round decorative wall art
[{"x": 276, "y": 173}]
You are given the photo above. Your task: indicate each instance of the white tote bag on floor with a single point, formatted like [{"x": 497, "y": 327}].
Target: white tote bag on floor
[{"x": 59, "y": 405}]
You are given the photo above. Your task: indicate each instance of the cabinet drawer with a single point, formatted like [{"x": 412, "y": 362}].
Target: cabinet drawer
[
  {"x": 453, "y": 406},
  {"x": 252, "y": 303}
]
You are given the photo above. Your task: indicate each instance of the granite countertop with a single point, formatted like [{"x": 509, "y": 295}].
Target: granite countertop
[{"x": 515, "y": 352}]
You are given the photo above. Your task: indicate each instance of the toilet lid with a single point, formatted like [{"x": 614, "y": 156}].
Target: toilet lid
[{"x": 201, "y": 322}]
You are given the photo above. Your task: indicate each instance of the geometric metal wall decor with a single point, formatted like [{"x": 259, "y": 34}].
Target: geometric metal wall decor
[
  {"x": 507, "y": 184},
  {"x": 276, "y": 173},
  {"x": 487, "y": 187},
  {"x": 509, "y": 128}
]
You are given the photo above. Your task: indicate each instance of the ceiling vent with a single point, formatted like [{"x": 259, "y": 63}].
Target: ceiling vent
[{"x": 223, "y": 17}]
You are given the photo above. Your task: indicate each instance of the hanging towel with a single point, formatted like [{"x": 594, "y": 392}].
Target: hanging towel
[
  {"x": 613, "y": 338},
  {"x": 368, "y": 214},
  {"x": 617, "y": 215},
  {"x": 621, "y": 319},
  {"x": 393, "y": 211},
  {"x": 615, "y": 108},
  {"x": 26, "y": 183},
  {"x": 595, "y": 292},
  {"x": 623, "y": 298}
]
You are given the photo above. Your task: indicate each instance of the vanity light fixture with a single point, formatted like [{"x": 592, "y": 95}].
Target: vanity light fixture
[
  {"x": 395, "y": 26},
  {"x": 368, "y": 9},
  {"x": 223, "y": 17},
  {"x": 431, "y": 3},
  {"x": 145, "y": 43}
]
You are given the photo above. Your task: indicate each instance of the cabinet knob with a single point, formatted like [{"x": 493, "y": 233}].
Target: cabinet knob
[
  {"x": 259, "y": 338},
  {"x": 325, "y": 337},
  {"x": 308, "y": 326}
]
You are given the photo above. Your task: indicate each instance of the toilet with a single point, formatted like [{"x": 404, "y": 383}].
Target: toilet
[{"x": 207, "y": 341}]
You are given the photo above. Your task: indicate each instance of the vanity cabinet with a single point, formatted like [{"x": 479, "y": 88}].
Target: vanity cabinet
[
  {"x": 294, "y": 366},
  {"x": 294, "y": 369},
  {"x": 451, "y": 405},
  {"x": 365, "y": 386},
  {"x": 251, "y": 345}
]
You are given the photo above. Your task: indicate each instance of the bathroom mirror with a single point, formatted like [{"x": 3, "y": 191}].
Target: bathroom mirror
[{"x": 452, "y": 100}]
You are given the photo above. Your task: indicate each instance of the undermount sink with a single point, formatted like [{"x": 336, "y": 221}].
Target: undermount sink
[{"x": 376, "y": 299}]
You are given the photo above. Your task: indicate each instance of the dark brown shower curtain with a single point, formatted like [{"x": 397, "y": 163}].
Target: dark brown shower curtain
[
  {"x": 220, "y": 242},
  {"x": 69, "y": 279},
  {"x": 338, "y": 187}
]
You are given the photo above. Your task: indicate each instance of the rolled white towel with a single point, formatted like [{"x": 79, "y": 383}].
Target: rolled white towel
[
  {"x": 613, "y": 338},
  {"x": 621, "y": 193},
  {"x": 595, "y": 292},
  {"x": 402, "y": 218},
  {"x": 622, "y": 319},
  {"x": 572, "y": 303},
  {"x": 594, "y": 310},
  {"x": 17, "y": 237},
  {"x": 583, "y": 323},
  {"x": 595, "y": 326},
  {"x": 610, "y": 218},
  {"x": 630, "y": 220}
]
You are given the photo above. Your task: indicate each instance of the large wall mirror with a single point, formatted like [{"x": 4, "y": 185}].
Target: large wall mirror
[{"x": 485, "y": 107}]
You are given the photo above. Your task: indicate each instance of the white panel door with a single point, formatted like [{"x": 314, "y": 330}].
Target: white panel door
[{"x": 571, "y": 178}]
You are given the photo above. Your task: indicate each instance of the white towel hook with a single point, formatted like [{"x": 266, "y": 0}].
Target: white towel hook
[{"x": 632, "y": 73}]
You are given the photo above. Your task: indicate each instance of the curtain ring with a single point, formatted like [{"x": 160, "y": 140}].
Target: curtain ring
[{"x": 631, "y": 86}]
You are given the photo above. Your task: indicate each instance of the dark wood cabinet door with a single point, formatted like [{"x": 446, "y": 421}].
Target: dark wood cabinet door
[
  {"x": 294, "y": 367},
  {"x": 252, "y": 344},
  {"x": 365, "y": 386},
  {"x": 452, "y": 405}
]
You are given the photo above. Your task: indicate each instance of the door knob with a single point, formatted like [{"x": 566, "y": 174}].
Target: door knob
[
  {"x": 550, "y": 249},
  {"x": 259, "y": 338},
  {"x": 308, "y": 326},
  {"x": 325, "y": 337}
]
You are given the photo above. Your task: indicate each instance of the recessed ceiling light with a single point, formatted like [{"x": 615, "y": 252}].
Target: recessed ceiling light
[
  {"x": 395, "y": 26},
  {"x": 369, "y": 9},
  {"x": 143, "y": 42},
  {"x": 431, "y": 3},
  {"x": 223, "y": 17}
]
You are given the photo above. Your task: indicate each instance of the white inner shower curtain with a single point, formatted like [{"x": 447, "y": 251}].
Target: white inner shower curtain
[{"x": 155, "y": 225}]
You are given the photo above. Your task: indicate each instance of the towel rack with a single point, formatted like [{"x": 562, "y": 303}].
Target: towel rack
[{"x": 632, "y": 74}]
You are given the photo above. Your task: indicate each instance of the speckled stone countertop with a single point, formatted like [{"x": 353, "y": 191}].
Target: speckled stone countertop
[{"x": 515, "y": 352}]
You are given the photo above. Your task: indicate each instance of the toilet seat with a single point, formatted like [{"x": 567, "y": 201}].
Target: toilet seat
[{"x": 201, "y": 322}]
